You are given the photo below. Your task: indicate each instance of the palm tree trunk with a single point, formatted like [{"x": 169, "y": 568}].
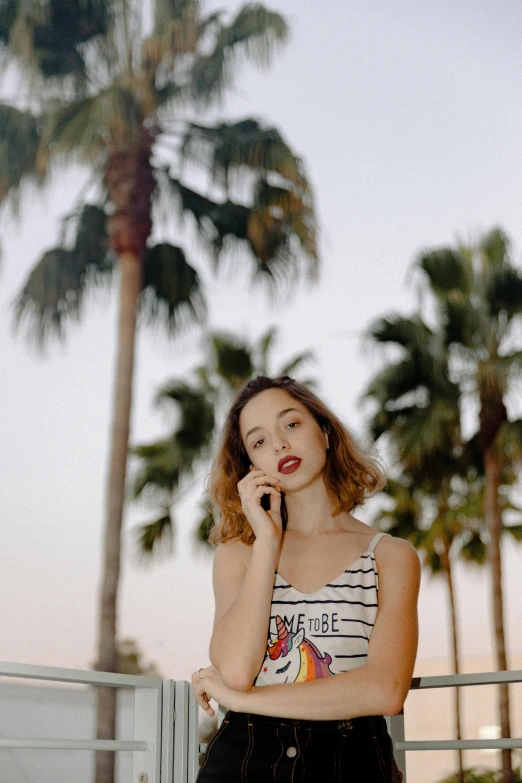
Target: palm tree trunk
[
  {"x": 446, "y": 564},
  {"x": 130, "y": 266},
  {"x": 130, "y": 183},
  {"x": 493, "y": 515}
]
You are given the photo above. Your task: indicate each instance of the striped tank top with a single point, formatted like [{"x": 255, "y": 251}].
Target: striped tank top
[{"x": 326, "y": 632}]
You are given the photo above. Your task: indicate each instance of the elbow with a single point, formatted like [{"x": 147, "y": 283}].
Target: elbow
[
  {"x": 394, "y": 700},
  {"x": 238, "y": 681},
  {"x": 232, "y": 674}
]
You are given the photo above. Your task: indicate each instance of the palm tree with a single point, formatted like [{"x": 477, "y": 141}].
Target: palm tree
[
  {"x": 478, "y": 291},
  {"x": 168, "y": 466},
  {"x": 418, "y": 411},
  {"x": 103, "y": 92}
]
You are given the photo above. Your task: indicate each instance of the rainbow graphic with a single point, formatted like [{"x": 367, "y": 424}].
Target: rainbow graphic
[{"x": 309, "y": 663}]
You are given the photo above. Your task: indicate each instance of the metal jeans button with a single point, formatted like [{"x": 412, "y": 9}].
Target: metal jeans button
[{"x": 291, "y": 752}]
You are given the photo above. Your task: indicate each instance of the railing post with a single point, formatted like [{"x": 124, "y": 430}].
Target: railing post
[
  {"x": 396, "y": 732},
  {"x": 181, "y": 732},
  {"x": 147, "y": 726},
  {"x": 168, "y": 718},
  {"x": 193, "y": 737}
]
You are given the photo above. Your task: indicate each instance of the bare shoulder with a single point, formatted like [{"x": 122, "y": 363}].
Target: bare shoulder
[
  {"x": 233, "y": 554},
  {"x": 396, "y": 557}
]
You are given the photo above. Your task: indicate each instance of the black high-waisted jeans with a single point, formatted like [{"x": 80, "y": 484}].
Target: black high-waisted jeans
[{"x": 249, "y": 748}]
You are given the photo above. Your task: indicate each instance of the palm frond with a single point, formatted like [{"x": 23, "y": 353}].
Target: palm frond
[
  {"x": 224, "y": 149},
  {"x": 279, "y": 216},
  {"x": 56, "y": 286},
  {"x": 83, "y": 128},
  {"x": 232, "y": 357},
  {"x": 474, "y": 549},
  {"x": 447, "y": 271},
  {"x": 218, "y": 223},
  {"x": 19, "y": 144},
  {"x": 279, "y": 229},
  {"x": 253, "y": 35},
  {"x": 504, "y": 290},
  {"x": 402, "y": 518},
  {"x": 494, "y": 248},
  {"x": 176, "y": 33},
  {"x": 204, "y": 526},
  {"x": 395, "y": 380},
  {"x": 160, "y": 470},
  {"x": 427, "y": 438},
  {"x": 195, "y": 410},
  {"x": 513, "y": 530},
  {"x": 460, "y": 322},
  {"x": 171, "y": 289},
  {"x": 8, "y": 12},
  {"x": 166, "y": 11},
  {"x": 262, "y": 350},
  {"x": 153, "y": 538},
  {"x": 296, "y": 362},
  {"x": 51, "y": 37},
  {"x": 408, "y": 332}
]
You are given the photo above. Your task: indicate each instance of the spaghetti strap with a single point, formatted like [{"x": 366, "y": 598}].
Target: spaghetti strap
[{"x": 375, "y": 540}]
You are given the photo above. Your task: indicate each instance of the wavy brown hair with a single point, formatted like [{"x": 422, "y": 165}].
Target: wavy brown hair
[{"x": 349, "y": 474}]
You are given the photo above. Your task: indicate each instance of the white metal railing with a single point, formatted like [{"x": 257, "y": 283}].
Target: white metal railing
[
  {"x": 396, "y": 722},
  {"x": 166, "y": 743}
]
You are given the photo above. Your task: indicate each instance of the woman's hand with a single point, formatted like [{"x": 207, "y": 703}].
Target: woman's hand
[
  {"x": 252, "y": 488},
  {"x": 211, "y": 686}
]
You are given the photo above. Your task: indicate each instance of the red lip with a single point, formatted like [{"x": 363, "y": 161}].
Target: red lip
[{"x": 289, "y": 468}]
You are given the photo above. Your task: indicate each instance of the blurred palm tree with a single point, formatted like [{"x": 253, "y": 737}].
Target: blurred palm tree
[
  {"x": 417, "y": 409},
  {"x": 171, "y": 465},
  {"x": 478, "y": 293},
  {"x": 102, "y": 90}
]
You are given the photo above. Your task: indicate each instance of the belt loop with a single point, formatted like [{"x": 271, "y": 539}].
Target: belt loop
[{"x": 249, "y": 719}]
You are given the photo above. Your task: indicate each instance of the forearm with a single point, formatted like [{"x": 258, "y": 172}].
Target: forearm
[
  {"x": 361, "y": 691},
  {"x": 239, "y": 640}
]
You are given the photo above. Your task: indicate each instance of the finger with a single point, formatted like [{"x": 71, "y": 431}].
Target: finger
[
  {"x": 206, "y": 705},
  {"x": 201, "y": 697},
  {"x": 256, "y": 481},
  {"x": 275, "y": 504},
  {"x": 265, "y": 490},
  {"x": 253, "y": 472}
]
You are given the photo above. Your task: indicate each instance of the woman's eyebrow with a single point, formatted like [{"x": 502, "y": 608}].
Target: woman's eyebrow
[{"x": 278, "y": 416}]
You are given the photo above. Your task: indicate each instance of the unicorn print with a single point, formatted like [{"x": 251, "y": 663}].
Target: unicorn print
[{"x": 291, "y": 657}]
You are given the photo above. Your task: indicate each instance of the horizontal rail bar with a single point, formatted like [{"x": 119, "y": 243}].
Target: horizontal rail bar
[
  {"x": 452, "y": 680},
  {"x": 56, "y": 674},
  {"x": 497, "y": 744},
  {"x": 69, "y": 744}
]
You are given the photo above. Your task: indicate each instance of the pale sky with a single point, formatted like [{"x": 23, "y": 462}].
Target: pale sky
[{"x": 408, "y": 117}]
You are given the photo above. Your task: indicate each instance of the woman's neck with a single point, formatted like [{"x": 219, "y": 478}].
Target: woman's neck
[{"x": 310, "y": 511}]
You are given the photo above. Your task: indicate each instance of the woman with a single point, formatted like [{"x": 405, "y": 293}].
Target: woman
[{"x": 303, "y": 591}]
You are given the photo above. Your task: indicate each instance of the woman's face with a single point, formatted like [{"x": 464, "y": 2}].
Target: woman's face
[{"x": 283, "y": 439}]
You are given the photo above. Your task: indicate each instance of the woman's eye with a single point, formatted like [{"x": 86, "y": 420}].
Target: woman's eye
[
  {"x": 293, "y": 424},
  {"x": 257, "y": 443}
]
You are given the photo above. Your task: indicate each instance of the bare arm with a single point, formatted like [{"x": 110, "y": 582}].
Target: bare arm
[
  {"x": 381, "y": 685},
  {"x": 243, "y": 596}
]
